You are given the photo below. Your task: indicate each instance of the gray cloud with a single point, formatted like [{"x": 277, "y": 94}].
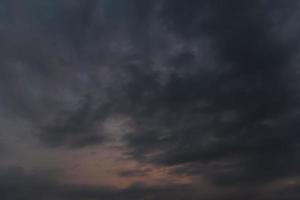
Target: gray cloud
[
  {"x": 18, "y": 184},
  {"x": 238, "y": 126},
  {"x": 211, "y": 86},
  {"x": 134, "y": 173}
]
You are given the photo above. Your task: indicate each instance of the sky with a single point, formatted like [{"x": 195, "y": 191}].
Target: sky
[{"x": 153, "y": 100}]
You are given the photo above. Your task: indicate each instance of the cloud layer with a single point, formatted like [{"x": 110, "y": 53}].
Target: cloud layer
[{"x": 209, "y": 89}]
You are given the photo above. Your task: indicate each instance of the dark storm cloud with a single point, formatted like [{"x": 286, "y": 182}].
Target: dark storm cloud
[
  {"x": 234, "y": 127},
  {"x": 54, "y": 53},
  {"x": 77, "y": 128},
  {"x": 210, "y": 85},
  {"x": 44, "y": 74}
]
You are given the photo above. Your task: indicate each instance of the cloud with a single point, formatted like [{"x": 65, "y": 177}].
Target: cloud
[
  {"x": 17, "y": 183},
  {"x": 238, "y": 124},
  {"x": 210, "y": 87},
  {"x": 134, "y": 173},
  {"x": 78, "y": 128}
]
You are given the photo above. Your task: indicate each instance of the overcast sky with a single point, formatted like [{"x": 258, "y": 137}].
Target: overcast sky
[{"x": 149, "y": 99}]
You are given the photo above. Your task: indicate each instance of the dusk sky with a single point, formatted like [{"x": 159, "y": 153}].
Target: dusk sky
[{"x": 149, "y": 99}]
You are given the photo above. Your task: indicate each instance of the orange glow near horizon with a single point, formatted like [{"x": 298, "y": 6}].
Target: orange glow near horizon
[{"x": 102, "y": 167}]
